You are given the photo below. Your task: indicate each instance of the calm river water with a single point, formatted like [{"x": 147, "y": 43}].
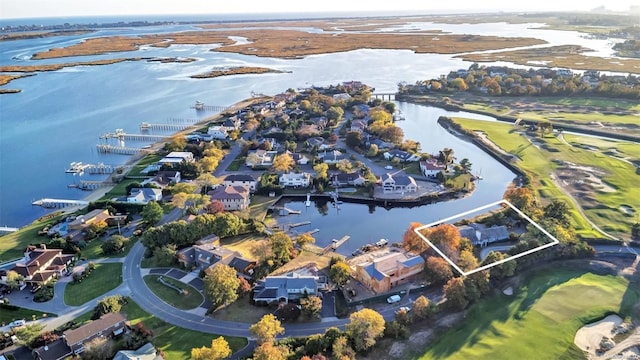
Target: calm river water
[{"x": 59, "y": 116}]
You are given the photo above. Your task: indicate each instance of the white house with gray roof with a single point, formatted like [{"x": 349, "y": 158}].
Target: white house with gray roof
[
  {"x": 483, "y": 236},
  {"x": 398, "y": 182},
  {"x": 285, "y": 287}
]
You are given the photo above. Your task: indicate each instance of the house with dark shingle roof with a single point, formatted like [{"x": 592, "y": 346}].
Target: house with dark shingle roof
[
  {"x": 283, "y": 288},
  {"x": 380, "y": 273},
  {"x": 73, "y": 340},
  {"x": 351, "y": 179},
  {"x": 483, "y": 236},
  {"x": 398, "y": 182},
  {"x": 241, "y": 180}
]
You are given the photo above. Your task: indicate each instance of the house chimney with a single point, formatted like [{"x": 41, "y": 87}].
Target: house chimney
[{"x": 43, "y": 246}]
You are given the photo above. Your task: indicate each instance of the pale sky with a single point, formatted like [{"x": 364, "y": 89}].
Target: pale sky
[{"x": 66, "y": 8}]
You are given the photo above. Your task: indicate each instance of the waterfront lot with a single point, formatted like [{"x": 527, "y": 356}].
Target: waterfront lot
[
  {"x": 601, "y": 183},
  {"x": 544, "y": 314},
  {"x": 103, "y": 278},
  {"x": 12, "y": 245}
]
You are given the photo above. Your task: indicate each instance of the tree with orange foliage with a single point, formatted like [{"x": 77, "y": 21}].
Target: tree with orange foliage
[
  {"x": 520, "y": 197},
  {"x": 412, "y": 242},
  {"x": 447, "y": 238},
  {"x": 438, "y": 270}
]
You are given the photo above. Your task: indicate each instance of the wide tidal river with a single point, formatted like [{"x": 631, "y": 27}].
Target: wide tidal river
[{"x": 58, "y": 117}]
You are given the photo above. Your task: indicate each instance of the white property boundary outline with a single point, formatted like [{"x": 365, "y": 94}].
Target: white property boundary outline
[{"x": 513, "y": 257}]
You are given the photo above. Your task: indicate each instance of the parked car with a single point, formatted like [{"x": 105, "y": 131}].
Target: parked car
[
  {"x": 393, "y": 299},
  {"x": 403, "y": 309},
  {"x": 17, "y": 323},
  {"x": 389, "y": 167}
]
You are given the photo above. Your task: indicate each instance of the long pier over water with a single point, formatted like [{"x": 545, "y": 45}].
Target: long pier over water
[{"x": 58, "y": 203}]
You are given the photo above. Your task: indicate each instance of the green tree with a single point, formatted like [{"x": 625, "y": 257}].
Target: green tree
[
  {"x": 335, "y": 113},
  {"x": 28, "y": 334},
  {"x": 456, "y": 294},
  {"x": 221, "y": 285},
  {"x": 344, "y": 166},
  {"x": 114, "y": 245},
  {"x": 219, "y": 350},
  {"x": 499, "y": 272},
  {"x": 281, "y": 247},
  {"x": 266, "y": 329},
  {"x": 373, "y": 150},
  {"x": 467, "y": 261},
  {"x": 207, "y": 181},
  {"x": 226, "y": 224},
  {"x": 353, "y": 139},
  {"x": 364, "y": 327},
  {"x": 311, "y": 306},
  {"x": 340, "y": 273},
  {"x": 152, "y": 213},
  {"x": 465, "y": 164},
  {"x": 165, "y": 255},
  {"x": 558, "y": 210},
  {"x": 185, "y": 188},
  {"x": 109, "y": 304}
]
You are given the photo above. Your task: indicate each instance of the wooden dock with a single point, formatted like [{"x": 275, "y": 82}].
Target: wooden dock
[
  {"x": 7, "y": 229},
  {"x": 122, "y": 150},
  {"x": 335, "y": 244},
  {"x": 173, "y": 127},
  {"x": 299, "y": 224}
]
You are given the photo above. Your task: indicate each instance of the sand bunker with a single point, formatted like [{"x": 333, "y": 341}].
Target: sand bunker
[{"x": 589, "y": 336}]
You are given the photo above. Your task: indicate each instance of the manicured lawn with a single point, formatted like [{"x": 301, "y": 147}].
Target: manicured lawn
[
  {"x": 185, "y": 302},
  {"x": 237, "y": 164},
  {"x": 93, "y": 250},
  {"x": 539, "y": 163},
  {"x": 176, "y": 342},
  {"x": 259, "y": 205},
  {"x": 143, "y": 163},
  {"x": 242, "y": 310},
  {"x": 120, "y": 189},
  {"x": 311, "y": 255},
  {"x": 7, "y": 315},
  {"x": 244, "y": 244},
  {"x": 542, "y": 318},
  {"x": 104, "y": 278},
  {"x": 12, "y": 245}
]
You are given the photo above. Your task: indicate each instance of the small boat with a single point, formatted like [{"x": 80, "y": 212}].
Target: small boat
[{"x": 308, "y": 202}]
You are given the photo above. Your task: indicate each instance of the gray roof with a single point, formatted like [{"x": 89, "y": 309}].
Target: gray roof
[
  {"x": 403, "y": 180},
  {"x": 239, "y": 177}
]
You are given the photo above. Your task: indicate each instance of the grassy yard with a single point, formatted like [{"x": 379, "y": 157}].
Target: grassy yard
[
  {"x": 120, "y": 189},
  {"x": 244, "y": 244},
  {"x": 12, "y": 245},
  {"x": 143, "y": 163},
  {"x": 176, "y": 342},
  {"x": 237, "y": 164},
  {"x": 93, "y": 250},
  {"x": 259, "y": 205},
  {"x": 104, "y": 278},
  {"x": 242, "y": 310},
  {"x": 7, "y": 315},
  {"x": 311, "y": 255},
  {"x": 538, "y": 161},
  {"x": 544, "y": 315},
  {"x": 185, "y": 302}
]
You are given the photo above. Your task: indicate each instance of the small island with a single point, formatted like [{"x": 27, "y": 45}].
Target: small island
[{"x": 240, "y": 70}]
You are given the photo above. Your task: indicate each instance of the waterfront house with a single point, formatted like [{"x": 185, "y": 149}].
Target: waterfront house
[
  {"x": 207, "y": 253},
  {"x": 284, "y": 288},
  {"x": 163, "y": 179},
  {"x": 232, "y": 197},
  {"x": 176, "y": 157},
  {"x": 431, "y": 167},
  {"x": 401, "y": 155},
  {"x": 398, "y": 182},
  {"x": 144, "y": 195},
  {"x": 382, "y": 271},
  {"x": 341, "y": 97},
  {"x": 351, "y": 179},
  {"x": 479, "y": 235},
  {"x": 217, "y": 132},
  {"x": 73, "y": 341},
  {"x": 295, "y": 180},
  {"x": 241, "y": 180},
  {"x": 381, "y": 144},
  {"x": 231, "y": 124},
  {"x": 40, "y": 265}
]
